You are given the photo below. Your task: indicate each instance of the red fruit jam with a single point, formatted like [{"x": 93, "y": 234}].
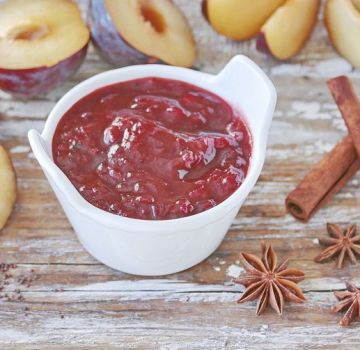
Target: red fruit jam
[{"x": 153, "y": 148}]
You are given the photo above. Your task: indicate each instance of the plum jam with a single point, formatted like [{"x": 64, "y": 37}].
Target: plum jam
[{"x": 153, "y": 148}]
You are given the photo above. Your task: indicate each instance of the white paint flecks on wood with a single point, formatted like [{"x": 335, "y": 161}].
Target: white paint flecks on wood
[
  {"x": 234, "y": 271},
  {"x": 20, "y": 149}
]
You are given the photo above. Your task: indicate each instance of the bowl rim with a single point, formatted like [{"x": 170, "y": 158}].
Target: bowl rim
[{"x": 42, "y": 145}]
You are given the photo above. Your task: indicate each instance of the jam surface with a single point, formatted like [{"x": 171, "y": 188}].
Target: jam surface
[{"x": 153, "y": 149}]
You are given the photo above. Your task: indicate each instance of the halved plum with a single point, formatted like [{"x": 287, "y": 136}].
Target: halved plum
[
  {"x": 285, "y": 33},
  {"x": 141, "y": 31},
  {"x": 238, "y": 19},
  {"x": 7, "y": 185},
  {"x": 342, "y": 20},
  {"x": 42, "y": 43}
]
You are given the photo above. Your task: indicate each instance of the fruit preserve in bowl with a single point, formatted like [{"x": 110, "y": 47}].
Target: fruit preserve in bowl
[
  {"x": 153, "y": 148},
  {"x": 152, "y": 163}
]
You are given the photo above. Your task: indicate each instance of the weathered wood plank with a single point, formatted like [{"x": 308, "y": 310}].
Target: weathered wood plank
[
  {"x": 97, "y": 278},
  {"x": 216, "y": 324}
]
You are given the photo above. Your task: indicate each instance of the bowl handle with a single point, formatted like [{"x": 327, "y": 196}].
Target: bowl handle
[
  {"x": 254, "y": 93},
  {"x": 39, "y": 148}
]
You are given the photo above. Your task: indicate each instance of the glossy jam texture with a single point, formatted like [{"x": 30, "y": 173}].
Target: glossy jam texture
[{"x": 153, "y": 149}]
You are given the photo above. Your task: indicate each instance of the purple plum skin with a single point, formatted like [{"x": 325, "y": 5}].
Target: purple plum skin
[
  {"x": 204, "y": 10},
  {"x": 26, "y": 83},
  {"x": 261, "y": 44},
  {"x": 105, "y": 37}
]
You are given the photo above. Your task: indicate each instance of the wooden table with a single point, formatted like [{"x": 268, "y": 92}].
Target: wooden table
[{"x": 71, "y": 301}]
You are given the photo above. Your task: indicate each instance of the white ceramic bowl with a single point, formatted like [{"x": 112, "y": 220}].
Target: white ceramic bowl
[{"x": 159, "y": 247}]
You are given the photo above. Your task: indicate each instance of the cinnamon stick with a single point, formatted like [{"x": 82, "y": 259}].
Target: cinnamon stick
[
  {"x": 348, "y": 103},
  {"x": 324, "y": 180},
  {"x": 338, "y": 166}
]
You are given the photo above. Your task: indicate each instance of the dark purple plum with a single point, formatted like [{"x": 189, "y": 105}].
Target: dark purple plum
[
  {"x": 39, "y": 52},
  {"x": 31, "y": 82},
  {"x": 143, "y": 39}
]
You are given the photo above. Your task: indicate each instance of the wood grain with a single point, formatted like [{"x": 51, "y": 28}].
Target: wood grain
[{"x": 74, "y": 302}]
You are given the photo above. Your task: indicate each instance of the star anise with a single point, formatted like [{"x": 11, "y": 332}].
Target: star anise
[
  {"x": 350, "y": 300},
  {"x": 341, "y": 243},
  {"x": 269, "y": 282}
]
